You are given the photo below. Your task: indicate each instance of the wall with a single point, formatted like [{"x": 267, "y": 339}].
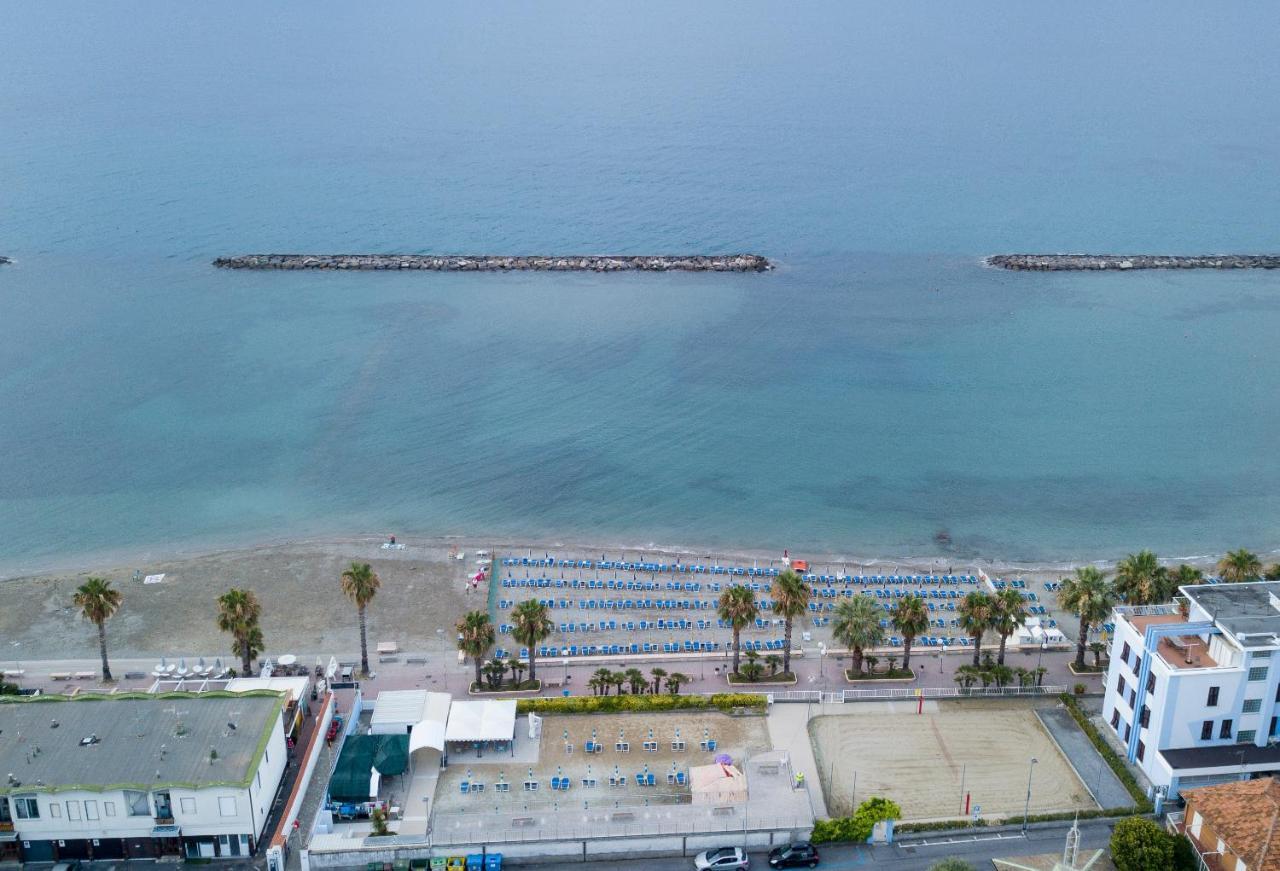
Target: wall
[{"x": 262, "y": 790}]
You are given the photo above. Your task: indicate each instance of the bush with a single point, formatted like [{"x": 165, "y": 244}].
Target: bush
[
  {"x": 1138, "y": 844},
  {"x": 1117, "y": 765},
  {"x": 8, "y": 689},
  {"x": 858, "y": 827},
  {"x": 627, "y": 703},
  {"x": 951, "y": 863},
  {"x": 1079, "y": 689}
]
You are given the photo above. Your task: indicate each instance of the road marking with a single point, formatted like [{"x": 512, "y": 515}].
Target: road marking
[{"x": 953, "y": 841}]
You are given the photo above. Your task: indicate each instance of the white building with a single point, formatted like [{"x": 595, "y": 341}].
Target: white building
[
  {"x": 138, "y": 776},
  {"x": 1194, "y": 698}
]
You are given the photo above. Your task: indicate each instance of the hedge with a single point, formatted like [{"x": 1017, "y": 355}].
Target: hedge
[
  {"x": 858, "y": 827},
  {"x": 1117, "y": 765},
  {"x": 946, "y": 825},
  {"x": 627, "y": 703}
]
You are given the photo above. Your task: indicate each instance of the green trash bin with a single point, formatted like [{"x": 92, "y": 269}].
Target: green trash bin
[
  {"x": 437, "y": 863},
  {"x": 400, "y": 865}
]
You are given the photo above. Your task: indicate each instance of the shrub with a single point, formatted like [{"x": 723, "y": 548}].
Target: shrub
[
  {"x": 951, "y": 863},
  {"x": 1079, "y": 689},
  {"x": 1138, "y": 844},
  {"x": 1143, "y": 805},
  {"x": 627, "y": 703},
  {"x": 858, "y": 827}
]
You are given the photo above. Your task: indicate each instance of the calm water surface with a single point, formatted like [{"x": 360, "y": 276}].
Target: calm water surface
[{"x": 878, "y": 387}]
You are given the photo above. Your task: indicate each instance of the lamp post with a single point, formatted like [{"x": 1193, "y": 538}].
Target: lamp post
[{"x": 1026, "y": 808}]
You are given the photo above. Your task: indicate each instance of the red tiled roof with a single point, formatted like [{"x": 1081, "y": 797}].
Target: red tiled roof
[{"x": 1243, "y": 814}]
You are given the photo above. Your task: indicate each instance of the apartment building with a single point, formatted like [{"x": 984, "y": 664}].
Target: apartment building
[
  {"x": 138, "y": 776},
  {"x": 1234, "y": 826},
  {"x": 1191, "y": 687}
]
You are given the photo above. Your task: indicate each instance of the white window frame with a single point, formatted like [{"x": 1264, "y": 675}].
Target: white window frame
[
  {"x": 222, "y": 805},
  {"x": 109, "y": 808},
  {"x": 55, "y": 810},
  {"x": 187, "y": 804},
  {"x": 73, "y": 811},
  {"x": 90, "y": 809}
]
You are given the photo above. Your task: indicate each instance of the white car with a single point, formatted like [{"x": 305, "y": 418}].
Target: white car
[{"x": 723, "y": 859}]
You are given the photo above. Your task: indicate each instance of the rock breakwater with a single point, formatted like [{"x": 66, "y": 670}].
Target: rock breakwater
[
  {"x": 1081, "y": 262},
  {"x": 497, "y": 263},
  {"x": 4, "y": 260}
]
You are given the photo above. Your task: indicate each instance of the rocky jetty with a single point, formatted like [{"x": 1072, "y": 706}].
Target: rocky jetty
[
  {"x": 4, "y": 260},
  {"x": 497, "y": 263},
  {"x": 1080, "y": 262}
]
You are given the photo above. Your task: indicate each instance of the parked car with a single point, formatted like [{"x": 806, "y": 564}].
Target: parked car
[
  {"x": 796, "y": 855},
  {"x": 723, "y": 859}
]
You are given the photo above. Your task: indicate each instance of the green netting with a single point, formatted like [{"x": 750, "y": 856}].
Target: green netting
[{"x": 362, "y": 753}]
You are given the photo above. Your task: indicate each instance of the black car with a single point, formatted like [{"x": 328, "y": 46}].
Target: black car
[{"x": 801, "y": 853}]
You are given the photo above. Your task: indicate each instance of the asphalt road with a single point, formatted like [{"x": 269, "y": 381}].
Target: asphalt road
[{"x": 978, "y": 850}]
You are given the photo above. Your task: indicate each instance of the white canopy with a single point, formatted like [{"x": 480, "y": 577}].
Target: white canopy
[
  {"x": 428, "y": 733},
  {"x": 489, "y": 720},
  {"x": 717, "y": 785}
]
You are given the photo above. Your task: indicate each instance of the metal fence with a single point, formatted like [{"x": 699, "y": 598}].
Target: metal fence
[
  {"x": 620, "y": 823},
  {"x": 892, "y": 693}
]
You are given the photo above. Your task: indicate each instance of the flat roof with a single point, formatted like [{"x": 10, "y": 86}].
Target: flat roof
[
  {"x": 1241, "y": 609},
  {"x": 134, "y": 741},
  {"x": 1222, "y": 756},
  {"x": 487, "y": 720}
]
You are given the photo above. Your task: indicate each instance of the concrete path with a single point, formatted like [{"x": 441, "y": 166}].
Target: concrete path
[
  {"x": 789, "y": 731},
  {"x": 1090, "y": 767}
]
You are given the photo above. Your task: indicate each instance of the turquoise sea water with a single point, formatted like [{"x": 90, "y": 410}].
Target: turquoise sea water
[{"x": 880, "y": 386}]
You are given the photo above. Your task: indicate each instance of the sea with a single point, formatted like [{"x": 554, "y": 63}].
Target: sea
[{"x": 880, "y": 393}]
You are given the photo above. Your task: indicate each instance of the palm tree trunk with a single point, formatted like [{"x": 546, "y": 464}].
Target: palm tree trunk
[
  {"x": 533, "y": 675},
  {"x": 977, "y": 647},
  {"x": 737, "y": 646},
  {"x": 1084, "y": 633},
  {"x": 1000, "y": 658},
  {"x": 246, "y": 666},
  {"x": 786, "y": 646},
  {"x": 479, "y": 678},
  {"x": 102, "y": 648},
  {"x": 364, "y": 647},
  {"x": 906, "y": 651}
]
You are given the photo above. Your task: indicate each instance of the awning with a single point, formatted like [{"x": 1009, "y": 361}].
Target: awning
[
  {"x": 489, "y": 720},
  {"x": 428, "y": 733},
  {"x": 166, "y": 832}
]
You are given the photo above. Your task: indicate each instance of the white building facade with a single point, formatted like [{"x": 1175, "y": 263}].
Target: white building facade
[
  {"x": 203, "y": 772},
  {"x": 1193, "y": 696}
]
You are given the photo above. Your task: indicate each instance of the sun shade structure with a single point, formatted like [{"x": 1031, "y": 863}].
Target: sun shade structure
[
  {"x": 717, "y": 785},
  {"x": 354, "y": 777},
  {"x": 488, "y": 720}
]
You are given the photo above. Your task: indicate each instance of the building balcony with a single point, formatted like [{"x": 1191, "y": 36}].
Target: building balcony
[
  {"x": 163, "y": 821},
  {"x": 1178, "y": 652}
]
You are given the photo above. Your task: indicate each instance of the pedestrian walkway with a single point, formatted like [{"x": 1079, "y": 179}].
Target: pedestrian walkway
[
  {"x": 789, "y": 731},
  {"x": 1090, "y": 767}
]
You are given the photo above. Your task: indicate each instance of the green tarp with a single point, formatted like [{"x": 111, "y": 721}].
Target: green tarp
[{"x": 362, "y": 753}]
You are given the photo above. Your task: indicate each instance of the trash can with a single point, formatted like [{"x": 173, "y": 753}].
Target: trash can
[
  {"x": 459, "y": 862},
  {"x": 475, "y": 862},
  {"x": 437, "y": 863},
  {"x": 493, "y": 862}
]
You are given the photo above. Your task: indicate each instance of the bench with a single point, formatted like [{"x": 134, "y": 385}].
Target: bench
[
  {"x": 14, "y": 672},
  {"x": 388, "y": 647},
  {"x": 60, "y": 675},
  {"x": 621, "y": 816},
  {"x": 521, "y": 821},
  {"x": 86, "y": 675}
]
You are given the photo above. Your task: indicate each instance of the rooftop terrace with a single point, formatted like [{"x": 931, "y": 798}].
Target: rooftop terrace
[{"x": 1248, "y": 612}]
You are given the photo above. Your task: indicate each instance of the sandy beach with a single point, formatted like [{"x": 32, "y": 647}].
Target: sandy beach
[{"x": 424, "y": 590}]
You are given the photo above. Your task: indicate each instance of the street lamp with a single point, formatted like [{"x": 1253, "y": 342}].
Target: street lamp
[
  {"x": 1026, "y": 808},
  {"x": 1044, "y": 645}
]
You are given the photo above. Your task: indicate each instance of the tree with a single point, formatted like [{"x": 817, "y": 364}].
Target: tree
[
  {"x": 1141, "y": 580},
  {"x": 752, "y": 668},
  {"x": 516, "y": 667},
  {"x": 530, "y": 624},
  {"x": 675, "y": 680},
  {"x": 1272, "y": 573},
  {"x": 658, "y": 674},
  {"x": 600, "y": 681},
  {"x": 238, "y": 614},
  {"x": 774, "y": 662},
  {"x": 1184, "y": 576},
  {"x": 1007, "y": 615},
  {"x": 737, "y": 607},
  {"x": 360, "y": 582},
  {"x": 951, "y": 863},
  {"x": 1097, "y": 648},
  {"x": 976, "y": 610},
  {"x": 1138, "y": 844},
  {"x": 857, "y": 627},
  {"x": 1239, "y": 566},
  {"x": 1089, "y": 596},
  {"x": 98, "y": 601},
  {"x": 617, "y": 678},
  {"x": 494, "y": 669},
  {"x": 475, "y": 637},
  {"x": 636, "y": 680},
  {"x": 871, "y": 663},
  {"x": 910, "y": 618},
  {"x": 873, "y": 810},
  {"x": 378, "y": 818},
  {"x": 790, "y": 600}
]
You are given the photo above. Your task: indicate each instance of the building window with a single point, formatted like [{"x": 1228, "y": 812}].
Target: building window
[
  {"x": 1262, "y": 654},
  {"x": 73, "y": 810},
  {"x": 1133, "y": 698},
  {"x": 90, "y": 810},
  {"x": 1213, "y": 697},
  {"x": 1252, "y": 706},
  {"x": 1225, "y": 731},
  {"x": 137, "y": 803},
  {"x": 1124, "y": 652},
  {"x": 109, "y": 808},
  {"x": 1151, "y": 684},
  {"x": 1127, "y": 730},
  {"x": 227, "y": 805},
  {"x": 1245, "y": 736},
  {"x": 1120, "y": 687},
  {"x": 1142, "y": 750},
  {"x": 1258, "y": 673},
  {"x": 26, "y": 807},
  {"x": 188, "y": 805},
  {"x": 1272, "y": 730},
  {"x": 1145, "y": 717},
  {"x": 1115, "y": 719},
  {"x": 1206, "y": 730},
  {"x": 4, "y": 810},
  {"x": 55, "y": 809}
]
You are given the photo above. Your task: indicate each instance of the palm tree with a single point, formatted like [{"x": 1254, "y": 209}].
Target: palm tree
[
  {"x": 790, "y": 600},
  {"x": 1239, "y": 566},
  {"x": 1097, "y": 648},
  {"x": 1007, "y": 615},
  {"x": 601, "y": 678},
  {"x": 658, "y": 675},
  {"x": 475, "y": 637},
  {"x": 856, "y": 625},
  {"x": 494, "y": 669},
  {"x": 617, "y": 678},
  {"x": 1272, "y": 573},
  {"x": 596, "y": 685},
  {"x": 737, "y": 607},
  {"x": 675, "y": 680},
  {"x": 976, "y": 611},
  {"x": 637, "y": 680},
  {"x": 1184, "y": 576},
  {"x": 530, "y": 624},
  {"x": 909, "y": 617},
  {"x": 238, "y": 613},
  {"x": 1089, "y": 595},
  {"x": 774, "y": 662},
  {"x": 360, "y": 583},
  {"x": 1140, "y": 579},
  {"x": 97, "y": 601}
]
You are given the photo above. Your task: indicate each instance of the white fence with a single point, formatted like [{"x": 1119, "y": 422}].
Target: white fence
[{"x": 890, "y": 693}]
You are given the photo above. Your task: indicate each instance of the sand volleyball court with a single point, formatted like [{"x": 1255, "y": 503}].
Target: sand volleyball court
[{"x": 920, "y": 760}]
